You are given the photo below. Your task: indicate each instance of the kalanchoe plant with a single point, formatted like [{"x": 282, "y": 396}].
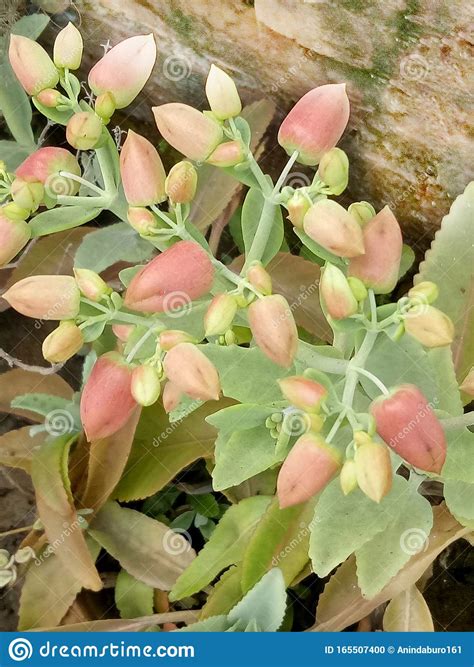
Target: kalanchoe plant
[{"x": 323, "y": 448}]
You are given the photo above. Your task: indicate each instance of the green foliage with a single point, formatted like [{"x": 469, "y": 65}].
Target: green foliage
[
  {"x": 59, "y": 219},
  {"x": 132, "y": 597},
  {"x": 117, "y": 243}
]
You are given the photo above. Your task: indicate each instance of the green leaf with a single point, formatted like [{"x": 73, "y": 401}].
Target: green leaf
[
  {"x": 16, "y": 108},
  {"x": 225, "y": 594},
  {"x": 44, "y": 404},
  {"x": 60, "y": 117},
  {"x": 147, "y": 549},
  {"x": 12, "y": 154},
  {"x": 459, "y": 498},
  {"x": 205, "y": 504},
  {"x": 133, "y": 598},
  {"x": 105, "y": 247},
  {"x": 408, "y": 612},
  {"x": 226, "y": 546},
  {"x": 59, "y": 219},
  {"x": 459, "y": 464},
  {"x": 450, "y": 264},
  {"x": 212, "y": 624},
  {"x": 240, "y": 417},
  {"x": 406, "y": 261},
  {"x": 264, "y": 604},
  {"x": 251, "y": 214},
  {"x": 31, "y": 26}
]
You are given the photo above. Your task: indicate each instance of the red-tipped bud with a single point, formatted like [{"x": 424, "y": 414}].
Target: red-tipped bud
[
  {"x": 123, "y": 331},
  {"x": 68, "y": 46},
  {"x": 192, "y": 372},
  {"x": 424, "y": 292},
  {"x": 259, "y": 278},
  {"x": 298, "y": 205},
  {"x": 378, "y": 268},
  {"x": 14, "y": 235},
  {"x": 172, "y": 280},
  {"x": 303, "y": 392},
  {"x": 188, "y": 130},
  {"x": 227, "y": 154},
  {"x": 172, "y": 337},
  {"x": 373, "y": 469},
  {"x": 145, "y": 385},
  {"x": 467, "y": 385},
  {"x": 63, "y": 343},
  {"x": 45, "y": 297},
  {"x": 362, "y": 211},
  {"x": 181, "y": 183},
  {"x": 142, "y": 171},
  {"x": 33, "y": 68},
  {"x": 220, "y": 314},
  {"x": 310, "y": 465},
  {"x": 107, "y": 402},
  {"x": 334, "y": 170},
  {"x": 430, "y": 326},
  {"x": 142, "y": 220},
  {"x": 222, "y": 94},
  {"x": 45, "y": 166},
  {"x": 91, "y": 284},
  {"x": 409, "y": 426},
  {"x": 316, "y": 123},
  {"x": 171, "y": 397},
  {"x": 27, "y": 195},
  {"x": 336, "y": 293},
  {"x": 49, "y": 98},
  {"x": 125, "y": 69},
  {"x": 274, "y": 329},
  {"x": 330, "y": 225},
  {"x": 348, "y": 477},
  {"x": 84, "y": 130}
]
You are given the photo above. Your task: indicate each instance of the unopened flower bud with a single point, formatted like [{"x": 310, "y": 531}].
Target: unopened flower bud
[
  {"x": 408, "y": 425},
  {"x": 176, "y": 277},
  {"x": 227, "y": 154},
  {"x": 315, "y": 422},
  {"x": 348, "y": 477},
  {"x": 49, "y": 98},
  {"x": 336, "y": 293},
  {"x": 63, "y": 343},
  {"x": 15, "y": 212},
  {"x": 378, "y": 268},
  {"x": 105, "y": 106},
  {"x": 107, "y": 402},
  {"x": 32, "y": 66},
  {"x": 84, "y": 130},
  {"x": 145, "y": 385},
  {"x": 467, "y": 385},
  {"x": 316, "y": 123},
  {"x": 68, "y": 46},
  {"x": 27, "y": 195},
  {"x": 334, "y": 170},
  {"x": 181, "y": 183},
  {"x": 303, "y": 392},
  {"x": 424, "y": 292},
  {"x": 330, "y": 225},
  {"x": 172, "y": 337},
  {"x": 362, "y": 211},
  {"x": 45, "y": 166},
  {"x": 222, "y": 94},
  {"x": 14, "y": 235},
  {"x": 274, "y": 329},
  {"x": 124, "y": 70},
  {"x": 142, "y": 171},
  {"x": 298, "y": 205},
  {"x": 123, "y": 331},
  {"x": 171, "y": 397},
  {"x": 220, "y": 314},
  {"x": 188, "y": 130},
  {"x": 358, "y": 288},
  {"x": 373, "y": 470},
  {"x": 308, "y": 468},
  {"x": 141, "y": 220},
  {"x": 91, "y": 284},
  {"x": 45, "y": 297},
  {"x": 430, "y": 326},
  {"x": 259, "y": 278},
  {"x": 192, "y": 372}
]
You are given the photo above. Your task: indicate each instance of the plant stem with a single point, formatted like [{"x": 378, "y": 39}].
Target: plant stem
[
  {"x": 15, "y": 531},
  {"x": 139, "y": 344},
  {"x": 378, "y": 383},
  {"x": 458, "y": 422},
  {"x": 103, "y": 159},
  {"x": 336, "y": 426},
  {"x": 83, "y": 181},
  {"x": 260, "y": 239},
  {"x": 282, "y": 178}
]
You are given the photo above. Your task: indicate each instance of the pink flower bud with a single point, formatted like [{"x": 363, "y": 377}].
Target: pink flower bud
[
  {"x": 84, "y": 130},
  {"x": 45, "y": 165},
  {"x": 125, "y": 69},
  {"x": 220, "y": 314},
  {"x": 181, "y": 183},
  {"x": 68, "y": 46},
  {"x": 142, "y": 171},
  {"x": 330, "y": 225},
  {"x": 45, "y": 297},
  {"x": 172, "y": 337},
  {"x": 192, "y": 372},
  {"x": 303, "y": 392},
  {"x": 171, "y": 397},
  {"x": 430, "y": 326},
  {"x": 259, "y": 278},
  {"x": 373, "y": 470},
  {"x": 27, "y": 195},
  {"x": 177, "y": 276},
  {"x": 142, "y": 220},
  {"x": 307, "y": 469},
  {"x": 348, "y": 477},
  {"x": 298, "y": 205},
  {"x": 14, "y": 235},
  {"x": 336, "y": 293},
  {"x": 188, "y": 130},
  {"x": 409, "y": 426},
  {"x": 467, "y": 385},
  {"x": 378, "y": 268},
  {"x": 107, "y": 402},
  {"x": 49, "y": 97},
  {"x": 91, "y": 284},
  {"x": 334, "y": 170},
  {"x": 63, "y": 343},
  {"x": 227, "y": 154},
  {"x": 33, "y": 68},
  {"x": 274, "y": 329},
  {"x": 316, "y": 123},
  {"x": 222, "y": 94},
  {"x": 123, "y": 331},
  {"x": 145, "y": 385}
]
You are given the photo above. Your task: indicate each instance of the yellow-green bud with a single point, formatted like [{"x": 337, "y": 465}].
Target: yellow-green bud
[
  {"x": 181, "y": 183},
  {"x": 348, "y": 477},
  {"x": 336, "y": 293},
  {"x": 334, "y": 170},
  {"x": 84, "y": 130},
  {"x": 15, "y": 212},
  {"x": 260, "y": 278},
  {"x": 222, "y": 94},
  {"x": 91, "y": 284},
  {"x": 27, "y": 196},
  {"x": 362, "y": 211},
  {"x": 68, "y": 46},
  {"x": 105, "y": 106},
  {"x": 430, "y": 326},
  {"x": 145, "y": 385},
  {"x": 373, "y": 469},
  {"x": 63, "y": 343},
  {"x": 424, "y": 292},
  {"x": 297, "y": 207},
  {"x": 220, "y": 314},
  {"x": 358, "y": 288}
]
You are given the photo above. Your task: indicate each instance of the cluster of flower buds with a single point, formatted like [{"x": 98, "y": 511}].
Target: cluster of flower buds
[{"x": 430, "y": 326}]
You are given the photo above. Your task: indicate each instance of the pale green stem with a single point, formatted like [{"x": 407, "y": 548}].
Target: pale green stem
[
  {"x": 281, "y": 180},
  {"x": 15, "y": 531},
  {"x": 378, "y": 383},
  {"x": 83, "y": 181},
  {"x": 106, "y": 169},
  {"x": 336, "y": 426},
  {"x": 461, "y": 421},
  {"x": 94, "y": 304},
  {"x": 139, "y": 344}
]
